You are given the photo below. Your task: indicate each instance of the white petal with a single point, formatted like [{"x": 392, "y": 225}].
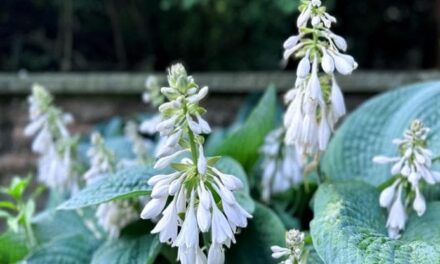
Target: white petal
[
  {"x": 419, "y": 204},
  {"x": 153, "y": 208},
  {"x": 216, "y": 254},
  {"x": 201, "y": 161},
  {"x": 303, "y": 67},
  {"x": 165, "y": 161},
  {"x": 327, "y": 62},
  {"x": 387, "y": 195},
  {"x": 339, "y": 41},
  {"x": 291, "y": 42},
  {"x": 206, "y": 129},
  {"x": 337, "y": 99}
]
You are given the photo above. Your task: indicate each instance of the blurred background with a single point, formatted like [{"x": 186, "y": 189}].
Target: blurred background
[
  {"x": 208, "y": 35},
  {"x": 95, "y": 55}
]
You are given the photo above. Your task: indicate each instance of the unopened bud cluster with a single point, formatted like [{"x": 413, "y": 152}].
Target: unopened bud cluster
[{"x": 293, "y": 251}]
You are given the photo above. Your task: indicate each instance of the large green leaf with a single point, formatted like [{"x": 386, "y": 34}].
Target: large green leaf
[
  {"x": 125, "y": 183},
  {"x": 244, "y": 143},
  {"x": 75, "y": 249},
  {"x": 349, "y": 227},
  {"x": 369, "y": 131},
  {"x": 141, "y": 249},
  {"x": 12, "y": 247},
  {"x": 230, "y": 166},
  {"x": 265, "y": 229},
  {"x": 51, "y": 224}
]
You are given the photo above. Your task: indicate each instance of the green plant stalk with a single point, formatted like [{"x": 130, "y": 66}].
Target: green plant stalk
[
  {"x": 29, "y": 233},
  {"x": 192, "y": 143}
]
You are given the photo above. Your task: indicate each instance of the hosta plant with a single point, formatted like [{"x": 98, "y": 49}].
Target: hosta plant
[{"x": 276, "y": 186}]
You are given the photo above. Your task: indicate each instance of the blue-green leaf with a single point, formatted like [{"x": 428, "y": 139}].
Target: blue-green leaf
[
  {"x": 369, "y": 131},
  {"x": 244, "y": 143},
  {"x": 349, "y": 227},
  {"x": 124, "y": 183}
]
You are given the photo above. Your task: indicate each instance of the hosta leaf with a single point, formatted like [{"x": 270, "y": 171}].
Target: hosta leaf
[
  {"x": 369, "y": 131},
  {"x": 75, "y": 249},
  {"x": 349, "y": 227},
  {"x": 12, "y": 247},
  {"x": 244, "y": 143},
  {"x": 141, "y": 249},
  {"x": 52, "y": 224},
  {"x": 230, "y": 166},
  {"x": 264, "y": 230},
  {"x": 125, "y": 183}
]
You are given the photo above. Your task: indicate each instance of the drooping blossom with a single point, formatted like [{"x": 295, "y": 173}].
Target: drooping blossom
[
  {"x": 412, "y": 166},
  {"x": 52, "y": 141},
  {"x": 315, "y": 103},
  {"x": 281, "y": 165},
  {"x": 197, "y": 197}
]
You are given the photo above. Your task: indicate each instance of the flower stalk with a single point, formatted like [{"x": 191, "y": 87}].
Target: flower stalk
[
  {"x": 411, "y": 170},
  {"x": 196, "y": 200},
  {"x": 315, "y": 103}
]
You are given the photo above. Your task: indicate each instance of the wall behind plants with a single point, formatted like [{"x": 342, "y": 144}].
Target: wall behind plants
[{"x": 208, "y": 35}]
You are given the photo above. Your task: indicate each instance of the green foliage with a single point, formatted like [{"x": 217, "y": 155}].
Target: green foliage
[
  {"x": 369, "y": 131},
  {"x": 349, "y": 227},
  {"x": 124, "y": 183},
  {"x": 12, "y": 247},
  {"x": 243, "y": 144},
  {"x": 52, "y": 224},
  {"x": 75, "y": 249},
  {"x": 265, "y": 229},
  {"x": 129, "y": 248}
]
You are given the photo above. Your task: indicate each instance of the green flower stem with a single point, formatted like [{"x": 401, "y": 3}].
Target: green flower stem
[
  {"x": 192, "y": 144},
  {"x": 32, "y": 241}
]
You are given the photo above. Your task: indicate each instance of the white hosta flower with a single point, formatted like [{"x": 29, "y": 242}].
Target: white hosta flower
[
  {"x": 281, "y": 165},
  {"x": 293, "y": 251},
  {"x": 115, "y": 215},
  {"x": 197, "y": 197},
  {"x": 412, "y": 166},
  {"x": 201, "y": 210},
  {"x": 52, "y": 141},
  {"x": 397, "y": 216},
  {"x": 101, "y": 158},
  {"x": 317, "y": 103}
]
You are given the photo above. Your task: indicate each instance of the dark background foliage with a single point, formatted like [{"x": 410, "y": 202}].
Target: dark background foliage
[{"x": 228, "y": 35}]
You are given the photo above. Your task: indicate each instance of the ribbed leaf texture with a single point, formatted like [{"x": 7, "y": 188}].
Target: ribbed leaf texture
[
  {"x": 349, "y": 227},
  {"x": 125, "y": 183},
  {"x": 369, "y": 131},
  {"x": 143, "y": 249}
]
